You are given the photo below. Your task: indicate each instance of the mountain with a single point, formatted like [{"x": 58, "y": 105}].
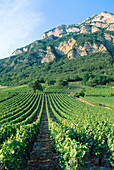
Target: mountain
[
  {"x": 92, "y": 38},
  {"x": 95, "y": 34},
  {"x": 90, "y": 25}
]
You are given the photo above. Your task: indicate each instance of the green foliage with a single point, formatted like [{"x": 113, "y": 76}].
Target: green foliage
[
  {"x": 27, "y": 66},
  {"x": 93, "y": 80},
  {"x": 12, "y": 153},
  {"x": 36, "y": 86},
  {"x": 100, "y": 95},
  {"x": 76, "y": 128},
  {"x": 82, "y": 93},
  {"x": 61, "y": 82},
  {"x": 78, "y": 94},
  {"x": 15, "y": 151},
  {"x": 71, "y": 70},
  {"x": 6, "y": 95},
  {"x": 69, "y": 150},
  {"x": 50, "y": 82},
  {"x": 89, "y": 126}
]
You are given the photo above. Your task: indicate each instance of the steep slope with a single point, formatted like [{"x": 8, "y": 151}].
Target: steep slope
[
  {"x": 97, "y": 63},
  {"x": 90, "y": 25},
  {"x": 68, "y": 36},
  {"x": 74, "y": 45},
  {"x": 95, "y": 36}
]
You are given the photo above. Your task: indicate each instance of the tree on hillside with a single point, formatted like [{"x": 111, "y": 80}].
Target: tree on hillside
[
  {"x": 50, "y": 82},
  {"x": 61, "y": 82},
  {"x": 36, "y": 86},
  {"x": 78, "y": 94},
  {"x": 91, "y": 82}
]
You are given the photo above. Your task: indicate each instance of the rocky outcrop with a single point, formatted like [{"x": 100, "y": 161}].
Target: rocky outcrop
[
  {"x": 72, "y": 54},
  {"x": 56, "y": 32},
  {"x": 110, "y": 27},
  {"x": 87, "y": 49},
  {"x": 16, "y": 52},
  {"x": 90, "y": 25},
  {"x": 65, "y": 46},
  {"x": 109, "y": 42},
  {"x": 102, "y": 19},
  {"x": 24, "y": 49},
  {"x": 19, "y": 51},
  {"x": 72, "y": 50},
  {"x": 41, "y": 51},
  {"x": 72, "y": 29},
  {"x": 49, "y": 56},
  {"x": 88, "y": 29}
]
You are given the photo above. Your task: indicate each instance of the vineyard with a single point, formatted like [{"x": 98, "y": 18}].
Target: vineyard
[
  {"x": 54, "y": 131},
  {"x": 101, "y": 96}
]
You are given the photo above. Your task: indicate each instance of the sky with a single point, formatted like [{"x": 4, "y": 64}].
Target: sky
[{"x": 23, "y": 21}]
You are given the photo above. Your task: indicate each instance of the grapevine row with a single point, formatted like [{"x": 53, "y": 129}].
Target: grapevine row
[
  {"x": 13, "y": 102},
  {"x": 85, "y": 128},
  {"x": 15, "y": 151},
  {"x": 13, "y": 111}
]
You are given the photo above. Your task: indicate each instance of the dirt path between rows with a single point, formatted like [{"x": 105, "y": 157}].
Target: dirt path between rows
[
  {"x": 92, "y": 104},
  {"x": 105, "y": 107},
  {"x": 81, "y": 100},
  {"x": 43, "y": 157},
  {"x": 1, "y": 87},
  {"x": 84, "y": 101}
]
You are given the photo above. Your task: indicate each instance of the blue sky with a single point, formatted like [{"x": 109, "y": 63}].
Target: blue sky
[{"x": 23, "y": 21}]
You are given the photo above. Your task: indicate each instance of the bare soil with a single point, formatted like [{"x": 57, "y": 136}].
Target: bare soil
[
  {"x": 84, "y": 101},
  {"x": 43, "y": 156},
  {"x": 1, "y": 87}
]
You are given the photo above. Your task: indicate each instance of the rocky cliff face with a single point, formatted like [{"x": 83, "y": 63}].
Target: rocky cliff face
[
  {"x": 65, "y": 47},
  {"x": 70, "y": 44},
  {"x": 49, "y": 56},
  {"x": 87, "y": 49},
  {"x": 90, "y": 25},
  {"x": 71, "y": 49},
  {"x": 61, "y": 30}
]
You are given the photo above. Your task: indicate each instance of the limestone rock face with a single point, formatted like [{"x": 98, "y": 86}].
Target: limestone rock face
[
  {"x": 88, "y": 29},
  {"x": 49, "y": 56},
  {"x": 61, "y": 30},
  {"x": 68, "y": 43},
  {"x": 109, "y": 42},
  {"x": 24, "y": 49},
  {"x": 94, "y": 29},
  {"x": 56, "y": 32},
  {"x": 104, "y": 17},
  {"x": 16, "y": 52},
  {"x": 19, "y": 51},
  {"x": 87, "y": 49},
  {"x": 110, "y": 27},
  {"x": 109, "y": 38},
  {"x": 90, "y": 25},
  {"x": 101, "y": 20},
  {"x": 73, "y": 54},
  {"x": 65, "y": 46},
  {"x": 85, "y": 29},
  {"x": 73, "y": 29}
]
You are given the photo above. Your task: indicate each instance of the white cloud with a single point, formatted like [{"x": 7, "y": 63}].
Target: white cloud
[{"x": 18, "y": 20}]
